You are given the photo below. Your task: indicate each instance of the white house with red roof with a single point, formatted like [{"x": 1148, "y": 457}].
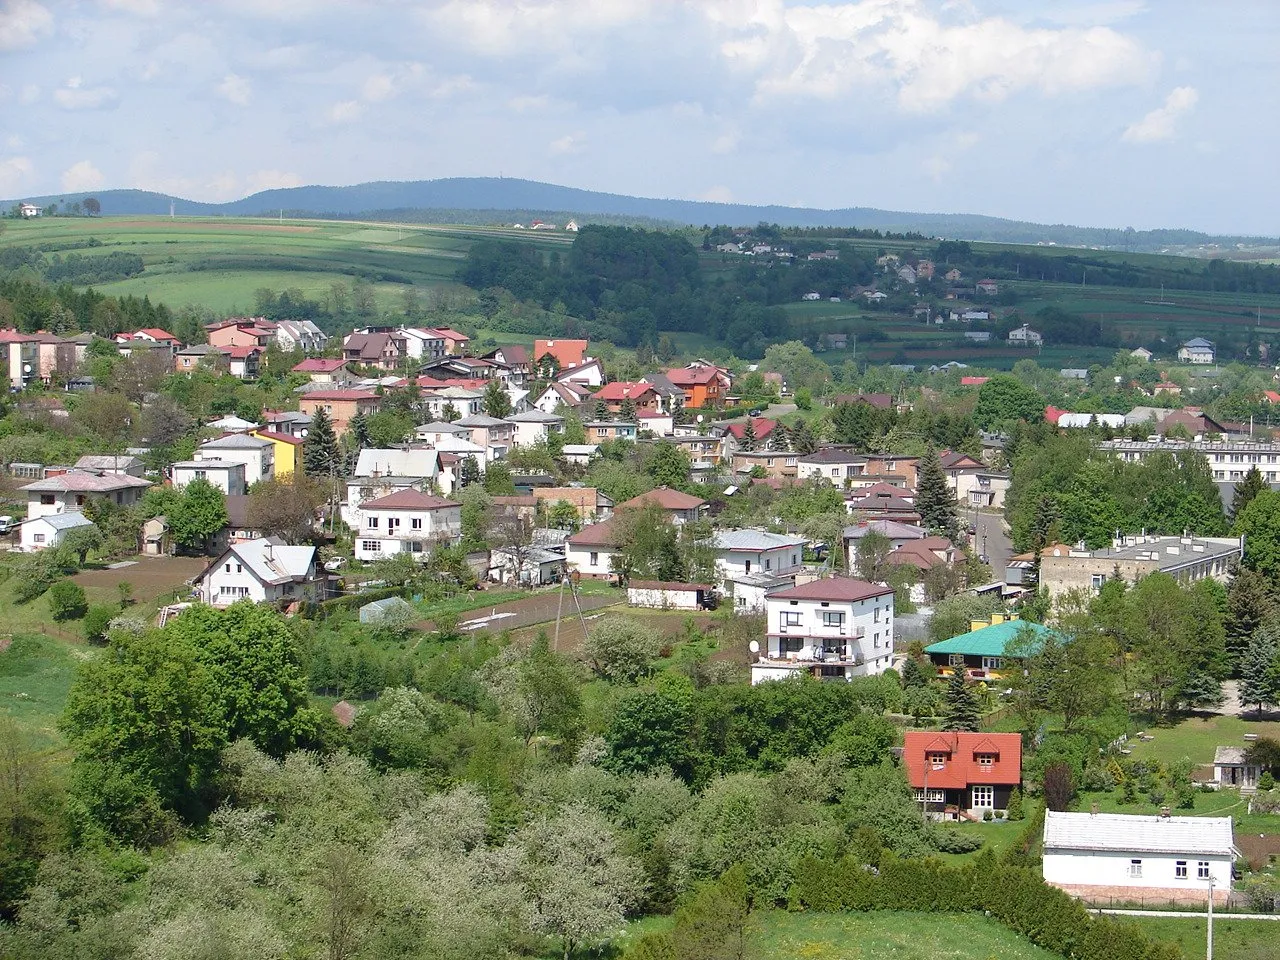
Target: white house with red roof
[
  {"x": 155, "y": 335},
  {"x": 326, "y": 370},
  {"x": 836, "y": 628},
  {"x": 589, "y": 373},
  {"x": 407, "y": 521}
]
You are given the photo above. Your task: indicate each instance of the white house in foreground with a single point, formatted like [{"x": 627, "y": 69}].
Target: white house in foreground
[
  {"x": 1120, "y": 856},
  {"x": 265, "y": 571},
  {"x": 407, "y": 521},
  {"x": 49, "y": 531},
  {"x": 836, "y": 628}
]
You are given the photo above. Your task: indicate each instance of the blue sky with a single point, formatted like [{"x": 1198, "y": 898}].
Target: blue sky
[{"x": 1108, "y": 113}]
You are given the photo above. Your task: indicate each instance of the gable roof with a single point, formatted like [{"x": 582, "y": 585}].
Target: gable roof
[
  {"x": 567, "y": 352},
  {"x": 80, "y": 481},
  {"x": 763, "y": 426},
  {"x": 833, "y": 455},
  {"x": 665, "y": 498},
  {"x": 65, "y": 521},
  {"x": 319, "y": 365},
  {"x": 602, "y": 534},
  {"x": 623, "y": 390},
  {"x": 889, "y": 528},
  {"x": 408, "y": 499},
  {"x": 236, "y": 441},
  {"x": 692, "y": 376},
  {"x": 844, "y": 589},
  {"x": 1133, "y": 833},
  {"x": 754, "y": 540},
  {"x": 271, "y": 562},
  {"x": 394, "y": 462},
  {"x": 98, "y": 461},
  {"x": 960, "y": 767}
]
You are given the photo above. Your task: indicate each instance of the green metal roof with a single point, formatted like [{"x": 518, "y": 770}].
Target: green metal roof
[{"x": 991, "y": 641}]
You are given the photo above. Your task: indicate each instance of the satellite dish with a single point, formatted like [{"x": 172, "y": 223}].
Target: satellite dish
[
  {"x": 699, "y": 418},
  {"x": 754, "y": 646}
]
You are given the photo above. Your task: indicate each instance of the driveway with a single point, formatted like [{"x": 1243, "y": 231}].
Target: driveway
[{"x": 992, "y": 540}]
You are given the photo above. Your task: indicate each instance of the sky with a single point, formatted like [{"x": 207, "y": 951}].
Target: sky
[{"x": 1095, "y": 112}]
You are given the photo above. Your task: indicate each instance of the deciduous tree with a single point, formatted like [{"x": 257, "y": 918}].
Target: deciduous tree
[
  {"x": 198, "y": 514},
  {"x": 285, "y": 508}
]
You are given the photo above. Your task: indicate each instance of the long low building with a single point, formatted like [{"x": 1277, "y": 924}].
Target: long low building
[
  {"x": 1229, "y": 460},
  {"x": 1188, "y": 559}
]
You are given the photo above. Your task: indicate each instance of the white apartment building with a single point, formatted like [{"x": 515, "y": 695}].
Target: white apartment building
[
  {"x": 227, "y": 475},
  {"x": 256, "y": 453},
  {"x": 407, "y": 521},
  {"x": 834, "y": 464},
  {"x": 836, "y": 628},
  {"x": 532, "y": 426}
]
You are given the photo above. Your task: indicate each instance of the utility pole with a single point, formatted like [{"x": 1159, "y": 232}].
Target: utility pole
[{"x": 1209, "y": 949}]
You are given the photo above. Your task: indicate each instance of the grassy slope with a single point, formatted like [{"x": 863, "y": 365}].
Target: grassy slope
[
  {"x": 1232, "y": 939},
  {"x": 312, "y": 255},
  {"x": 1196, "y": 738}
]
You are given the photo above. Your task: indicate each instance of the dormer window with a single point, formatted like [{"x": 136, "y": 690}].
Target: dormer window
[
  {"x": 937, "y": 761},
  {"x": 986, "y": 760}
]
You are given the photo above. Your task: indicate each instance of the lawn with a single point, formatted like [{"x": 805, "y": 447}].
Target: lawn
[
  {"x": 1195, "y": 738},
  {"x": 1232, "y": 939},
  {"x": 35, "y": 674},
  {"x": 776, "y": 935}
]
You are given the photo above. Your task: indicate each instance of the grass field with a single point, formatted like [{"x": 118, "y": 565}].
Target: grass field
[
  {"x": 35, "y": 674},
  {"x": 1232, "y": 939},
  {"x": 1196, "y": 738}
]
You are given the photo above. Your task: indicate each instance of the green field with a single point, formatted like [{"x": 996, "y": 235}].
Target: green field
[
  {"x": 1196, "y": 738},
  {"x": 1232, "y": 939}
]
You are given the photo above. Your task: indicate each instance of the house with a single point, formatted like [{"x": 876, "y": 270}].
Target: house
[
  {"x": 982, "y": 652},
  {"x": 50, "y": 530},
  {"x": 466, "y": 368},
  {"x": 292, "y": 423},
  {"x": 987, "y": 287},
  {"x": 741, "y": 552},
  {"x": 679, "y": 507},
  {"x": 288, "y": 451},
  {"x": 156, "y": 538},
  {"x": 973, "y": 381},
  {"x": 1025, "y": 336},
  {"x": 1232, "y": 768},
  {"x": 515, "y": 358},
  {"x": 242, "y": 332},
  {"x": 225, "y": 475},
  {"x": 663, "y": 595},
  {"x": 257, "y": 454},
  {"x": 379, "y": 472},
  {"x": 380, "y": 349},
  {"x": 1142, "y": 353},
  {"x": 231, "y": 424},
  {"x": 455, "y": 342},
  {"x": 302, "y": 336},
  {"x": 641, "y": 395},
  {"x": 323, "y": 370},
  {"x": 1166, "y": 388},
  {"x": 156, "y": 336},
  {"x": 264, "y": 571},
  {"x": 898, "y": 534},
  {"x": 1073, "y": 373},
  {"x": 834, "y": 628},
  {"x": 655, "y": 422},
  {"x": 342, "y": 406},
  {"x": 907, "y": 274},
  {"x": 591, "y": 504},
  {"x": 244, "y": 363},
  {"x": 1196, "y": 350},
  {"x": 31, "y": 357},
  {"x": 953, "y": 276},
  {"x": 703, "y": 386},
  {"x": 492, "y": 435},
  {"x": 978, "y": 336},
  {"x": 601, "y": 430},
  {"x": 532, "y": 427},
  {"x": 532, "y": 566},
  {"x": 875, "y": 296},
  {"x": 705, "y": 453},
  {"x": 589, "y": 373},
  {"x": 579, "y": 454},
  {"x": 558, "y": 355},
  {"x": 924, "y": 269},
  {"x": 29, "y": 210},
  {"x": 984, "y": 489},
  {"x": 1186, "y": 559},
  {"x": 199, "y": 356},
  {"x": 69, "y": 492},
  {"x": 571, "y": 396},
  {"x": 238, "y": 528},
  {"x": 465, "y": 402},
  {"x": 836, "y": 465},
  {"x": 110, "y": 463},
  {"x": 761, "y": 428},
  {"x": 956, "y": 774},
  {"x": 1120, "y": 856},
  {"x": 591, "y": 550},
  {"x": 770, "y": 463},
  {"x": 408, "y": 521}
]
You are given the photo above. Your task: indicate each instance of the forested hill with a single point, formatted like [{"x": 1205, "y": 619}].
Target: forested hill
[{"x": 525, "y": 199}]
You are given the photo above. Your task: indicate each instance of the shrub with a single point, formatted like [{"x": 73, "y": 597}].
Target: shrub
[
  {"x": 1097, "y": 778},
  {"x": 1059, "y": 786},
  {"x": 96, "y": 623},
  {"x": 1186, "y": 797},
  {"x": 1015, "y": 805},
  {"x": 1267, "y": 781},
  {"x": 67, "y": 601},
  {"x": 953, "y": 841}
]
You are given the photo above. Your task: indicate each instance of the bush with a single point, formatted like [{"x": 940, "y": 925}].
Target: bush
[
  {"x": 1015, "y": 805},
  {"x": 1267, "y": 781},
  {"x": 67, "y": 601},
  {"x": 96, "y": 623},
  {"x": 946, "y": 840}
]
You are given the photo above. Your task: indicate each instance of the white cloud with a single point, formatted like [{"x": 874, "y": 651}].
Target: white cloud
[
  {"x": 235, "y": 88},
  {"x": 344, "y": 111},
  {"x": 81, "y": 176},
  {"x": 30, "y": 93},
  {"x": 524, "y": 104},
  {"x": 569, "y": 143},
  {"x": 74, "y": 95},
  {"x": 271, "y": 180},
  {"x": 379, "y": 87},
  {"x": 23, "y": 23},
  {"x": 500, "y": 27},
  {"x": 1162, "y": 122},
  {"x": 141, "y": 8},
  {"x": 726, "y": 142},
  {"x": 13, "y": 173}
]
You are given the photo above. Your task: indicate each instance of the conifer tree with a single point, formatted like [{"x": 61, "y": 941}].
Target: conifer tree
[
  {"x": 496, "y": 401},
  {"x": 960, "y": 709},
  {"x": 934, "y": 500},
  {"x": 1260, "y": 671},
  {"x": 1245, "y": 491},
  {"x": 320, "y": 453},
  {"x": 748, "y": 441},
  {"x": 627, "y": 411}
]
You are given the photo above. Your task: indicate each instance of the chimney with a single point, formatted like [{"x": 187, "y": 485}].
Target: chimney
[{"x": 1164, "y": 813}]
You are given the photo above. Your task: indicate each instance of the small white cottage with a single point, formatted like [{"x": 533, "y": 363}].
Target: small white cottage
[{"x": 1231, "y": 768}]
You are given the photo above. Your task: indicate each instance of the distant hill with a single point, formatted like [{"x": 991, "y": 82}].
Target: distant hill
[{"x": 470, "y": 198}]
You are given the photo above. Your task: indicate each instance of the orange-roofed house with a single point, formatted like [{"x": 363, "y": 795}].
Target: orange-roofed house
[
  {"x": 1271, "y": 396},
  {"x": 342, "y": 406},
  {"x": 158, "y": 336},
  {"x": 680, "y": 507},
  {"x": 242, "y": 333},
  {"x": 615, "y": 394},
  {"x": 957, "y": 774},
  {"x": 703, "y": 386},
  {"x": 973, "y": 381},
  {"x": 566, "y": 353},
  {"x": 323, "y": 369},
  {"x": 455, "y": 342}
]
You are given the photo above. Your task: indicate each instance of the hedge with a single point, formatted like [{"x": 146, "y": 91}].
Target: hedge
[{"x": 1016, "y": 896}]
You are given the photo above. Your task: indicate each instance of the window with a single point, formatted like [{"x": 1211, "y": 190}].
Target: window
[
  {"x": 956, "y": 659},
  {"x": 46, "y": 499},
  {"x": 202, "y": 474},
  {"x": 416, "y": 523},
  {"x": 392, "y": 524},
  {"x": 38, "y": 538},
  {"x": 935, "y": 796},
  {"x": 371, "y": 523},
  {"x": 833, "y": 619},
  {"x": 1135, "y": 868},
  {"x": 1202, "y": 870},
  {"x": 768, "y": 563},
  {"x": 228, "y": 568},
  {"x": 371, "y": 546},
  {"x": 1097, "y": 580},
  {"x": 595, "y": 559},
  {"x": 746, "y": 566},
  {"x": 992, "y": 663},
  {"x": 239, "y": 568},
  {"x": 937, "y": 761},
  {"x": 790, "y": 644},
  {"x": 1180, "y": 870},
  {"x": 792, "y": 618},
  {"x": 983, "y": 796}
]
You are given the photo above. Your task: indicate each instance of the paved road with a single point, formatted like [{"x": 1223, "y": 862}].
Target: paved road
[{"x": 992, "y": 540}]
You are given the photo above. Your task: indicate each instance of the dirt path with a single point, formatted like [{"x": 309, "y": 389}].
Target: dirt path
[{"x": 151, "y": 577}]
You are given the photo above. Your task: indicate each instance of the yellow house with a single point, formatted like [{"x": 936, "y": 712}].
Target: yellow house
[{"x": 288, "y": 451}]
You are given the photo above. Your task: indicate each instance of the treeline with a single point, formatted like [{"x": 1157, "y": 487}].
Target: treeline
[
  {"x": 632, "y": 284},
  {"x": 73, "y": 268},
  {"x": 29, "y": 305},
  {"x": 1065, "y": 490}
]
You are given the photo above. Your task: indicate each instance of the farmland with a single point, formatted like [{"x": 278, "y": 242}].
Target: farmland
[{"x": 218, "y": 264}]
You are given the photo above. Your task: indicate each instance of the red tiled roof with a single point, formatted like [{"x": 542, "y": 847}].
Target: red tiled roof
[
  {"x": 689, "y": 376},
  {"x": 834, "y": 588},
  {"x": 340, "y": 395},
  {"x": 320, "y": 365},
  {"x": 960, "y": 764},
  {"x": 665, "y": 498},
  {"x": 1272, "y": 396},
  {"x": 623, "y": 390},
  {"x": 408, "y": 499},
  {"x": 157, "y": 334},
  {"x": 282, "y": 437},
  {"x": 763, "y": 427},
  {"x": 448, "y": 333},
  {"x": 879, "y": 489},
  {"x": 567, "y": 353},
  {"x": 973, "y": 381},
  {"x": 241, "y": 353},
  {"x": 597, "y": 535}
]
